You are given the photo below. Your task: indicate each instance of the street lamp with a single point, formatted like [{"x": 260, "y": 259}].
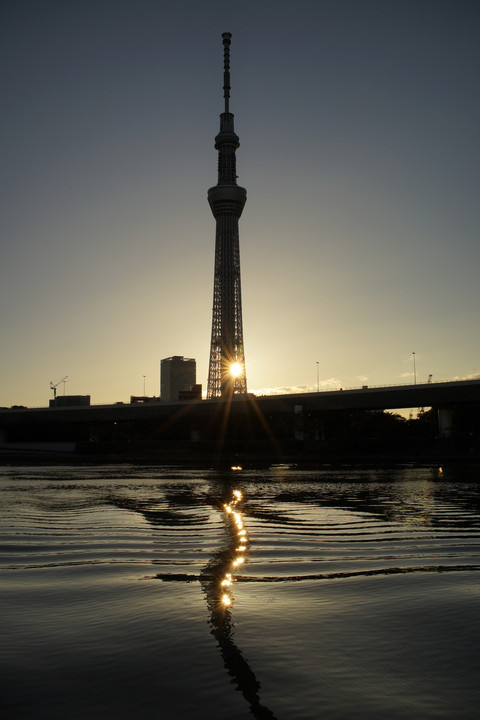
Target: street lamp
[
  {"x": 414, "y": 370},
  {"x": 318, "y": 381},
  {"x": 144, "y": 378}
]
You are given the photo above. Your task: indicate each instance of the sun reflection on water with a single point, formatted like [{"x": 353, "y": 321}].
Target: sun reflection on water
[
  {"x": 217, "y": 580},
  {"x": 240, "y": 533}
]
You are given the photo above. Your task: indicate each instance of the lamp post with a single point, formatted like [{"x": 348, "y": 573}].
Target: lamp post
[
  {"x": 144, "y": 378},
  {"x": 318, "y": 381},
  {"x": 414, "y": 370}
]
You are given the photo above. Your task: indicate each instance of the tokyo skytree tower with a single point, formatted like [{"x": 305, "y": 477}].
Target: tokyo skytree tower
[{"x": 226, "y": 374}]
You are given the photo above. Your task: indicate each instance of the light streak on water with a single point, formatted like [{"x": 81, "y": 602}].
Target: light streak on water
[{"x": 239, "y": 534}]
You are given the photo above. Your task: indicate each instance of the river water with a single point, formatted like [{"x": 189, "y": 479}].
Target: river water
[{"x": 155, "y": 592}]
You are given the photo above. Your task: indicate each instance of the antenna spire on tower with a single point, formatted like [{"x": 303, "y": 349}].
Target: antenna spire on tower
[{"x": 226, "y": 68}]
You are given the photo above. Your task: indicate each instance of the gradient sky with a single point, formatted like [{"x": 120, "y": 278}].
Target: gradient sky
[{"x": 359, "y": 129}]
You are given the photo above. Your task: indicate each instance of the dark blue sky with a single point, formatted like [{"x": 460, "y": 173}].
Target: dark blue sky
[{"x": 358, "y": 122}]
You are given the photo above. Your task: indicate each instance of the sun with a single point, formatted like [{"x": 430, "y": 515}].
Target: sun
[{"x": 235, "y": 369}]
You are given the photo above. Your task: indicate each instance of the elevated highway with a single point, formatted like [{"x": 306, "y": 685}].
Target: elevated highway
[
  {"x": 385, "y": 398},
  {"x": 244, "y": 419}
]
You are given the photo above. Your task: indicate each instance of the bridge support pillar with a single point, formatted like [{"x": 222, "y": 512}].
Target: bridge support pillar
[
  {"x": 298, "y": 422},
  {"x": 445, "y": 417}
]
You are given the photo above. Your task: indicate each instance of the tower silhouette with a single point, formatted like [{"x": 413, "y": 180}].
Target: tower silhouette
[{"x": 226, "y": 373}]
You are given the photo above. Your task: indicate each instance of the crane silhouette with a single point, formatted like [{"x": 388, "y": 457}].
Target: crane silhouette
[{"x": 53, "y": 386}]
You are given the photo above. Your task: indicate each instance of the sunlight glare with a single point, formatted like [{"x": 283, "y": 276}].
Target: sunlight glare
[
  {"x": 235, "y": 369},
  {"x": 235, "y": 519}
]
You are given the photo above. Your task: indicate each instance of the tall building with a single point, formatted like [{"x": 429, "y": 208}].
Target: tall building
[
  {"x": 226, "y": 373},
  {"x": 177, "y": 374}
]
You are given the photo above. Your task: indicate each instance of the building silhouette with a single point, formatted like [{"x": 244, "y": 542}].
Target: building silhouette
[
  {"x": 177, "y": 376},
  {"x": 226, "y": 373}
]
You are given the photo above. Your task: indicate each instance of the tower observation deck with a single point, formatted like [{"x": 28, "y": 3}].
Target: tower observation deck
[{"x": 226, "y": 374}]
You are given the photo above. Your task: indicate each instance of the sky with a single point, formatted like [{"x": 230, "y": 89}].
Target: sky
[{"x": 359, "y": 149}]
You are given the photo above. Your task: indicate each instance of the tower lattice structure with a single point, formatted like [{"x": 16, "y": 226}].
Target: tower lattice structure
[{"x": 226, "y": 374}]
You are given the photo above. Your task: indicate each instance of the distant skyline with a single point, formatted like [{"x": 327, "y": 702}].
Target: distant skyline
[{"x": 359, "y": 149}]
